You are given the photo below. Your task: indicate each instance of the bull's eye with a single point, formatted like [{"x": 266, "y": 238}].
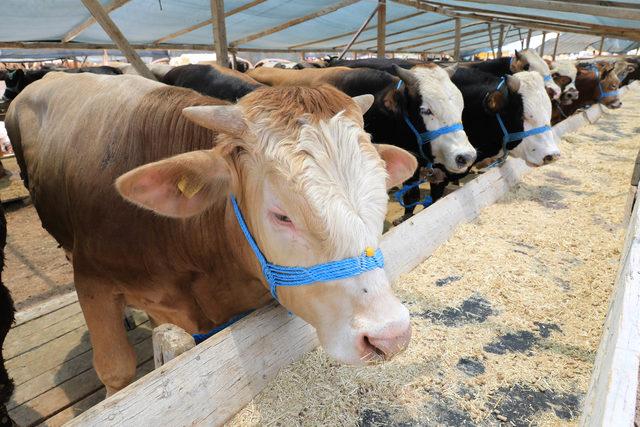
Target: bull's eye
[
  {"x": 426, "y": 111},
  {"x": 283, "y": 219},
  {"x": 526, "y": 67}
]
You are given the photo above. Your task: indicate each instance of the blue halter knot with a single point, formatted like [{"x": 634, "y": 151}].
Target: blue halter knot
[
  {"x": 514, "y": 136},
  {"x": 399, "y": 195},
  {"x": 603, "y": 94},
  {"x": 281, "y": 275}
]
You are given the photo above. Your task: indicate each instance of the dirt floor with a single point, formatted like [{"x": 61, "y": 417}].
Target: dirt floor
[
  {"x": 35, "y": 268},
  {"x": 506, "y": 316}
]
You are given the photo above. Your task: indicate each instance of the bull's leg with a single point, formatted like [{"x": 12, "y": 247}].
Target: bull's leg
[
  {"x": 6, "y": 385},
  {"x": 437, "y": 190},
  {"x": 114, "y": 358}
]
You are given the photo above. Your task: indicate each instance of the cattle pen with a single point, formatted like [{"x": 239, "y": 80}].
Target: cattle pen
[{"x": 521, "y": 282}]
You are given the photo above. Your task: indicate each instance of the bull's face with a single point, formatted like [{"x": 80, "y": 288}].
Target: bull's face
[
  {"x": 312, "y": 189},
  {"x": 542, "y": 148},
  {"x": 564, "y": 74},
  {"x": 537, "y": 64},
  {"x": 609, "y": 83},
  {"x": 441, "y": 105}
]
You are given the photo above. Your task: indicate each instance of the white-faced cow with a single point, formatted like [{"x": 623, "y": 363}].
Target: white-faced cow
[{"x": 289, "y": 169}]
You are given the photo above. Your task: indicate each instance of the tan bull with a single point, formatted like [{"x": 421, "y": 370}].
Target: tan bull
[{"x": 309, "y": 182}]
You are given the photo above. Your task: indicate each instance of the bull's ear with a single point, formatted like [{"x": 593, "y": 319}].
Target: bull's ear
[
  {"x": 494, "y": 101},
  {"x": 179, "y": 187},
  {"x": 364, "y": 102},
  {"x": 220, "y": 118},
  {"x": 400, "y": 164}
]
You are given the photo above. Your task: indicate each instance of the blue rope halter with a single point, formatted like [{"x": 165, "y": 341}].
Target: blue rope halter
[
  {"x": 603, "y": 93},
  {"x": 515, "y": 136},
  {"x": 422, "y": 139},
  {"x": 281, "y": 275}
]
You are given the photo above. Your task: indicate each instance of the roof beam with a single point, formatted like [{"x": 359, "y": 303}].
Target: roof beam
[
  {"x": 424, "y": 36},
  {"x": 419, "y": 27},
  {"x": 339, "y": 36},
  {"x": 450, "y": 43},
  {"x": 462, "y": 35},
  {"x": 208, "y": 21},
  {"x": 75, "y": 31},
  {"x": 360, "y": 30},
  {"x": 102, "y": 18},
  {"x": 561, "y": 6},
  {"x": 382, "y": 28},
  {"x": 490, "y": 16},
  {"x": 447, "y": 47},
  {"x": 293, "y": 22},
  {"x": 219, "y": 32}
]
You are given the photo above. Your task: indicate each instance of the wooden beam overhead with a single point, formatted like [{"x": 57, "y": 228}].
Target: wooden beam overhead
[
  {"x": 208, "y": 21},
  {"x": 408, "y": 30},
  {"x": 118, "y": 38},
  {"x": 75, "y": 31},
  {"x": 561, "y": 6},
  {"x": 293, "y": 22},
  {"x": 424, "y": 36},
  {"x": 382, "y": 28},
  {"x": 368, "y": 27},
  {"x": 440, "y": 39},
  {"x": 450, "y": 43},
  {"x": 220, "y": 32}
]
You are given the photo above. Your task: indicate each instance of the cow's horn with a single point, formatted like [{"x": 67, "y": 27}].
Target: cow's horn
[
  {"x": 513, "y": 83},
  {"x": 406, "y": 75},
  {"x": 364, "y": 102}
]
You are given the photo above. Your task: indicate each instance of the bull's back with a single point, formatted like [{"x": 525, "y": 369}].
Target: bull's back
[
  {"x": 309, "y": 77},
  {"x": 75, "y": 134}
]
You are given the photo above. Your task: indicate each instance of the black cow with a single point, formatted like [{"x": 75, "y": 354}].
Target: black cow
[
  {"x": 6, "y": 320},
  {"x": 17, "y": 80},
  {"x": 214, "y": 81},
  {"x": 634, "y": 74}
]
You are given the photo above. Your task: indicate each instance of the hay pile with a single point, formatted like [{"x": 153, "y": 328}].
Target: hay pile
[{"x": 506, "y": 316}]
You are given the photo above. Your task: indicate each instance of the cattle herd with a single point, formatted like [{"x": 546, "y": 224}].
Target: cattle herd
[{"x": 194, "y": 197}]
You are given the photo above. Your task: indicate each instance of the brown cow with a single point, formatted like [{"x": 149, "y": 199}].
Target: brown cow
[
  {"x": 309, "y": 182},
  {"x": 591, "y": 90}
]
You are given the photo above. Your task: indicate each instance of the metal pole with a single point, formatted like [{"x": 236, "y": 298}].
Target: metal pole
[
  {"x": 382, "y": 22},
  {"x": 555, "y": 47},
  {"x": 493, "y": 54},
  {"x": 456, "y": 49},
  {"x": 357, "y": 33},
  {"x": 220, "y": 32},
  {"x": 529, "y": 38},
  {"x": 544, "y": 36}
]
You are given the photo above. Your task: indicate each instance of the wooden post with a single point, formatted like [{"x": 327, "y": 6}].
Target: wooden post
[
  {"x": 456, "y": 48},
  {"x": 357, "y": 33},
  {"x": 500, "y": 41},
  {"x": 220, "y": 32},
  {"x": 382, "y": 23},
  {"x": 109, "y": 27},
  {"x": 544, "y": 37},
  {"x": 601, "y": 46},
  {"x": 493, "y": 54},
  {"x": 521, "y": 39},
  {"x": 555, "y": 47},
  {"x": 529, "y": 38}
]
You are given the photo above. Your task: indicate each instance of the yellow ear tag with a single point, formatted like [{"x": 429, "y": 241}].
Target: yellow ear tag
[
  {"x": 369, "y": 251},
  {"x": 189, "y": 189}
]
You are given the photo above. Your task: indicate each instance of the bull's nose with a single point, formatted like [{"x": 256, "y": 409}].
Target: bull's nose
[
  {"x": 392, "y": 340},
  {"x": 465, "y": 160},
  {"x": 549, "y": 158}
]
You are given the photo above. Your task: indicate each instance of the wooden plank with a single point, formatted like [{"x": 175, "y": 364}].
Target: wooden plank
[
  {"x": 293, "y": 22},
  {"x": 529, "y": 38},
  {"x": 68, "y": 392},
  {"x": 544, "y": 37},
  {"x": 611, "y": 399},
  {"x": 500, "y": 41},
  {"x": 441, "y": 39},
  {"x": 118, "y": 38},
  {"x": 220, "y": 32},
  {"x": 75, "y": 31},
  {"x": 382, "y": 29},
  {"x": 558, "y": 6},
  {"x": 93, "y": 399},
  {"x": 395, "y": 33},
  {"x": 456, "y": 48},
  {"x": 555, "y": 47},
  {"x": 207, "y": 22},
  {"x": 424, "y": 36},
  {"x": 601, "y": 46},
  {"x": 77, "y": 360},
  {"x": 204, "y": 375},
  {"x": 45, "y": 308},
  {"x": 493, "y": 52}
]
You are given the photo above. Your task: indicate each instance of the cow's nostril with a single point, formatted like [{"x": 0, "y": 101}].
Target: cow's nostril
[
  {"x": 380, "y": 352},
  {"x": 549, "y": 158},
  {"x": 462, "y": 160}
]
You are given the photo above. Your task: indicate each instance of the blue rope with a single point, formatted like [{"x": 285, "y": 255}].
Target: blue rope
[
  {"x": 603, "y": 94},
  {"x": 547, "y": 78},
  {"x": 399, "y": 195},
  {"x": 428, "y": 136},
  {"x": 515, "y": 136},
  {"x": 281, "y": 275},
  {"x": 198, "y": 338}
]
